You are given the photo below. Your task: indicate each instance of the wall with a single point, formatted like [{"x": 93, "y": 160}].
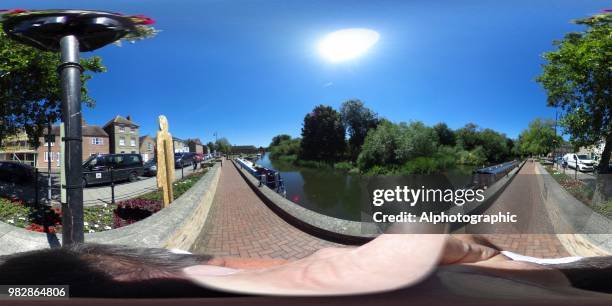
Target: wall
[{"x": 174, "y": 227}]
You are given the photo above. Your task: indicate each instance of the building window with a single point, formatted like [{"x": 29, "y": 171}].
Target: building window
[
  {"x": 132, "y": 142},
  {"x": 97, "y": 141},
  {"x": 132, "y": 130},
  {"x": 150, "y": 146},
  {"x": 47, "y": 156},
  {"x": 122, "y": 129},
  {"x": 122, "y": 141}
]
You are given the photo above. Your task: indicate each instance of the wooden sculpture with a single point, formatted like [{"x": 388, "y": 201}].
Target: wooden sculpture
[{"x": 165, "y": 161}]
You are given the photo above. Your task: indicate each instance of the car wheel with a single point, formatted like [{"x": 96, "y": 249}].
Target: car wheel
[{"x": 133, "y": 177}]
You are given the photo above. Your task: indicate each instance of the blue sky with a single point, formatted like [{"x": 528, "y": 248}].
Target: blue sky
[{"x": 250, "y": 70}]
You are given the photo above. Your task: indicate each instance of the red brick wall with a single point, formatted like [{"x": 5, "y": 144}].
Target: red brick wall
[{"x": 88, "y": 150}]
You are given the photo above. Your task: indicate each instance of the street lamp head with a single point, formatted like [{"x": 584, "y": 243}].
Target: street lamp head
[{"x": 93, "y": 29}]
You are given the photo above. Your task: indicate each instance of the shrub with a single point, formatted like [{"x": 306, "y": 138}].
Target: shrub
[
  {"x": 446, "y": 157},
  {"x": 285, "y": 147},
  {"x": 421, "y": 165},
  {"x": 343, "y": 166},
  {"x": 474, "y": 157}
]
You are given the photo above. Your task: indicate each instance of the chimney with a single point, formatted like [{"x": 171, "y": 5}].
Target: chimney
[{"x": 128, "y": 117}]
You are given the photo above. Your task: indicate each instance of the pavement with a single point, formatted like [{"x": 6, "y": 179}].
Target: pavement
[
  {"x": 534, "y": 233},
  {"x": 239, "y": 224}
]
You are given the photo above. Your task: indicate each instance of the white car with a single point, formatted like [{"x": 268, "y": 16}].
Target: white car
[{"x": 579, "y": 161}]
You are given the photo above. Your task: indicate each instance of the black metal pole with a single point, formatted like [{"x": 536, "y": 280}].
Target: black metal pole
[
  {"x": 49, "y": 162},
  {"x": 70, "y": 74},
  {"x": 112, "y": 177}
]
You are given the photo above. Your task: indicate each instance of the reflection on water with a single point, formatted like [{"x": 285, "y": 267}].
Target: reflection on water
[{"x": 334, "y": 193}]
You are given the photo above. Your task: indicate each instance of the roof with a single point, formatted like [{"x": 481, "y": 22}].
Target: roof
[
  {"x": 87, "y": 130},
  {"x": 121, "y": 120},
  {"x": 141, "y": 138}
]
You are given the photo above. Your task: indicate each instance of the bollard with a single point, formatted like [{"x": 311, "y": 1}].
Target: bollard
[
  {"x": 182, "y": 174},
  {"x": 112, "y": 178}
]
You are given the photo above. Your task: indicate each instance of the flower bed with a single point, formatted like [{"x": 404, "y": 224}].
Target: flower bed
[
  {"x": 580, "y": 191},
  {"x": 97, "y": 218}
]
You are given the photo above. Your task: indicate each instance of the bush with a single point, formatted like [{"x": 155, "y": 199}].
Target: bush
[
  {"x": 343, "y": 166},
  {"x": 474, "y": 157},
  {"x": 446, "y": 157},
  {"x": 380, "y": 170},
  {"x": 287, "y": 147},
  {"x": 421, "y": 165}
]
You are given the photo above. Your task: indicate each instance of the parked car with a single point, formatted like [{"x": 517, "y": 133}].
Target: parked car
[
  {"x": 199, "y": 157},
  {"x": 581, "y": 162},
  {"x": 97, "y": 168},
  {"x": 16, "y": 172},
  {"x": 150, "y": 167},
  {"x": 183, "y": 159}
]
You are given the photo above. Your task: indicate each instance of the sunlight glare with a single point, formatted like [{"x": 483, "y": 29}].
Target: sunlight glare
[{"x": 347, "y": 44}]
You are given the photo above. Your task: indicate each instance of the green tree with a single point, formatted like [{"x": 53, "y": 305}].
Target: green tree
[
  {"x": 323, "y": 135},
  {"x": 380, "y": 146},
  {"x": 358, "y": 120},
  {"x": 539, "y": 139},
  {"x": 223, "y": 145},
  {"x": 276, "y": 140},
  {"x": 30, "y": 93},
  {"x": 578, "y": 79},
  {"x": 494, "y": 145},
  {"x": 287, "y": 147},
  {"x": 446, "y": 136},
  {"x": 467, "y": 137}
]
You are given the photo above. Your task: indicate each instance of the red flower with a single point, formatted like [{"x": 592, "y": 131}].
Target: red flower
[{"x": 142, "y": 19}]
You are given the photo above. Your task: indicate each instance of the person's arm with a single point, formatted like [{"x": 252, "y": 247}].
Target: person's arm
[{"x": 386, "y": 263}]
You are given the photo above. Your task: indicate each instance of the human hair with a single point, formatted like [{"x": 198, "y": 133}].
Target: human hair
[
  {"x": 589, "y": 273},
  {"x": 98, "y": 270}
]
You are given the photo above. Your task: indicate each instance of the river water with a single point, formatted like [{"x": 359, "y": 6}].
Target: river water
[{"x": 327, "y": 191}]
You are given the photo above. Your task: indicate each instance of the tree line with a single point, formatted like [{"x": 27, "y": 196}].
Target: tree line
[{"x": 355, "y": 138}]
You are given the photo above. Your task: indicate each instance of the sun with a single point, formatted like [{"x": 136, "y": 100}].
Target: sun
[{"x": 347, "y": 44}]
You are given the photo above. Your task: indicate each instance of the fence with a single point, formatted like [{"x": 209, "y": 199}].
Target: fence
[{"x": 44, "y": 187}]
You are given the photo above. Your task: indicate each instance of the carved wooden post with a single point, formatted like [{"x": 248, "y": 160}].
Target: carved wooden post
[{"x": 165, "y": 161}]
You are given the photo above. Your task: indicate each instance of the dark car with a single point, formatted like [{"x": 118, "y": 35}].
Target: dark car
[
  {"x": 183, "y": 159},
  {"x": 97, "y": 168},
  {"x": 150, "y": 168},
  {"x": 16, "y": 172}
]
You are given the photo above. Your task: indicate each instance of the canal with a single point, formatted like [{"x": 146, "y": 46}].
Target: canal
[{"x": 329, "y": 192}]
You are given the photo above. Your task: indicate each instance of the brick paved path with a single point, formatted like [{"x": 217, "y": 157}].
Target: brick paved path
[
  {"x": 240, "y": 224},
  {"x": 522, "y": 197}
]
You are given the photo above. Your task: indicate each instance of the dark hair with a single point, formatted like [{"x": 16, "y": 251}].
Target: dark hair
[
  {"x": 96, "y": 270},
  {"x": 589, "y": 273}
]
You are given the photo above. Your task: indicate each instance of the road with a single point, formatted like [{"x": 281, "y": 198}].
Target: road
[{"x": 92, "y": 195}]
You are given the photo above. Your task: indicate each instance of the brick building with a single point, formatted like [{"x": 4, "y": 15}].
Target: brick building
[
  {"x": 147, "y": 147},
  {"x": 123, "y": 135},
  {"x": 195, "y": 145},
  {"x": 95, "y": 141}
]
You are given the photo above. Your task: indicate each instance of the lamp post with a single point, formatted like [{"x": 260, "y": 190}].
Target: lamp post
[{"x": 69, "y": 32}]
